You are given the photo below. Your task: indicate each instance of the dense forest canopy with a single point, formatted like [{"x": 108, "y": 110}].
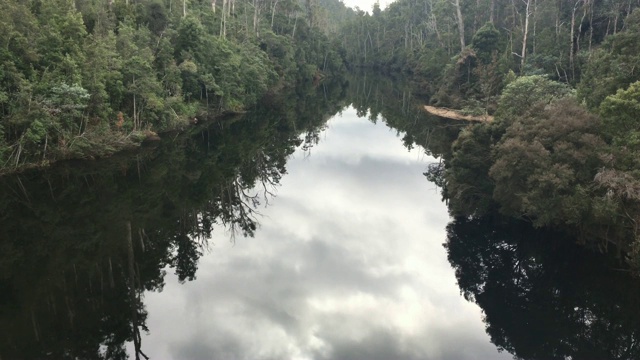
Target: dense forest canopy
[
  {"x": 456, "y": 48},
  {"x": 83, "y": 78}
]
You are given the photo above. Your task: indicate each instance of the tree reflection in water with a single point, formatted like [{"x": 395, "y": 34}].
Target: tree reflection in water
[
  {"x": 543, "y": 296},
  {"x": 80, "y": 243}
]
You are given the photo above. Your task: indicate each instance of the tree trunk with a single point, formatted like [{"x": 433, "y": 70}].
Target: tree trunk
[
  {"x": 223, "y": 21},
  {"x": 255, "y": 16},
  {"x": 133, "y": 297},
  {"x": 310, "y": 14},
  {"x": 406, "y": 36},
  {"x": 135, "y": 114},
  {"x": 523, "y": 53},
  {"x": 492, "y": 7},
  {"x": 184, "y": 8},
  {"x": 535, "y": 24},
  {"x": 476, "y": 18},
  {"x": 571, "y": 47},
  {"x": 273, "y": 12},
  {"x": 584, "y": 15},
  {"x": 591, "y": 27},
  {"x": 558, "y": 20},
  {"x": 460, "y": 25},
  {"x": 295, "y": 23},
  {"x": 433, "y": 23}
]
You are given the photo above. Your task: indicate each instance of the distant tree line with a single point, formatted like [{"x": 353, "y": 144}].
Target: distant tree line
[{"x": 460, "y": 51}]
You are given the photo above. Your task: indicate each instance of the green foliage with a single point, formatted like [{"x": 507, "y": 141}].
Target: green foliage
[
  {"x": 67, "y": 99},
  {"x": 526, "y": 92},
  {"x": 468, "y": 193},
  {"x": 557, "y": 39},
  {"x": 431, "y": 62},
  {"x": 545, "y": 163},
  {"x": 475, "y": 75},
  {"x": 105, "y": 86},
  {"x": 459, "y": 80},
  {"x": 620, "y": 113},
  {"x": 189, "y": 39},
  {"x": 36, "y": 132},
  {"x": 281, "y": 50},
  {"x": 614, "y": 65},
  {"x": 141, "y": 65},
  {"x": 620, "y": 179},
  {"x": 156, "y": 18},
  {"x": 486, "y": 43}
]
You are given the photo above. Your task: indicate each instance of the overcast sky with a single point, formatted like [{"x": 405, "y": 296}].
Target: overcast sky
[
  {"x": 348, "y": 263},
  {"x": 366, "y": 5}
]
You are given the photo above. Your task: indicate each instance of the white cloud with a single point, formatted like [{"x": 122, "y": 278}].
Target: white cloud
[
  {"x": 367, "y": 5},
  {"x": 348, "y": 263}
]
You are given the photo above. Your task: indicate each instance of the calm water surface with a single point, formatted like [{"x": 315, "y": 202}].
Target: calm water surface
[
  {"x": 347, "y": 263},
  {"x": 343, "y": 258}
]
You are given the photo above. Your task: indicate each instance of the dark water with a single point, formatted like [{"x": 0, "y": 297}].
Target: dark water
[{"x": 343, "y": 256}]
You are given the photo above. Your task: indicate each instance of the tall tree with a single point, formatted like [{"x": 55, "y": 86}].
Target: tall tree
[{"x": 460, "y": 24}]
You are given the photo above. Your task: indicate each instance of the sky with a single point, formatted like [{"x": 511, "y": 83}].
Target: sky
[
  {"x": 347, "y": 263},
  {"x": 366, "y": 5}
]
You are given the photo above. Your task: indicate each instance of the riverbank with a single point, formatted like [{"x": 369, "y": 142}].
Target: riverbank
[
  {"x": 105, "y": 145},
  {"x": 456, "y": 114}
]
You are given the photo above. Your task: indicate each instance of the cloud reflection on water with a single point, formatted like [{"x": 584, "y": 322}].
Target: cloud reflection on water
[{"x": 348, "y": 264}]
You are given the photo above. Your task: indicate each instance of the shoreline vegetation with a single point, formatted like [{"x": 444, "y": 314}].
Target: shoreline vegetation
[
  {"x": 122, "y": 143},
  {"x": 560, "y": 79},
  {"x": 456, "y": 114},
  {"x": 84, "y": 79}
]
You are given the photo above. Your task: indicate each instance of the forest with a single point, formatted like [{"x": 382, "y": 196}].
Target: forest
[
  {"x": 561, "y": 80},
  {"x": 86, "y": 78}
]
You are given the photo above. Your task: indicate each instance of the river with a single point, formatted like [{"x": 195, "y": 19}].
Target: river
[
  {"x": 304, "y": 229},
  {"x": 347, "y": 263}
]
